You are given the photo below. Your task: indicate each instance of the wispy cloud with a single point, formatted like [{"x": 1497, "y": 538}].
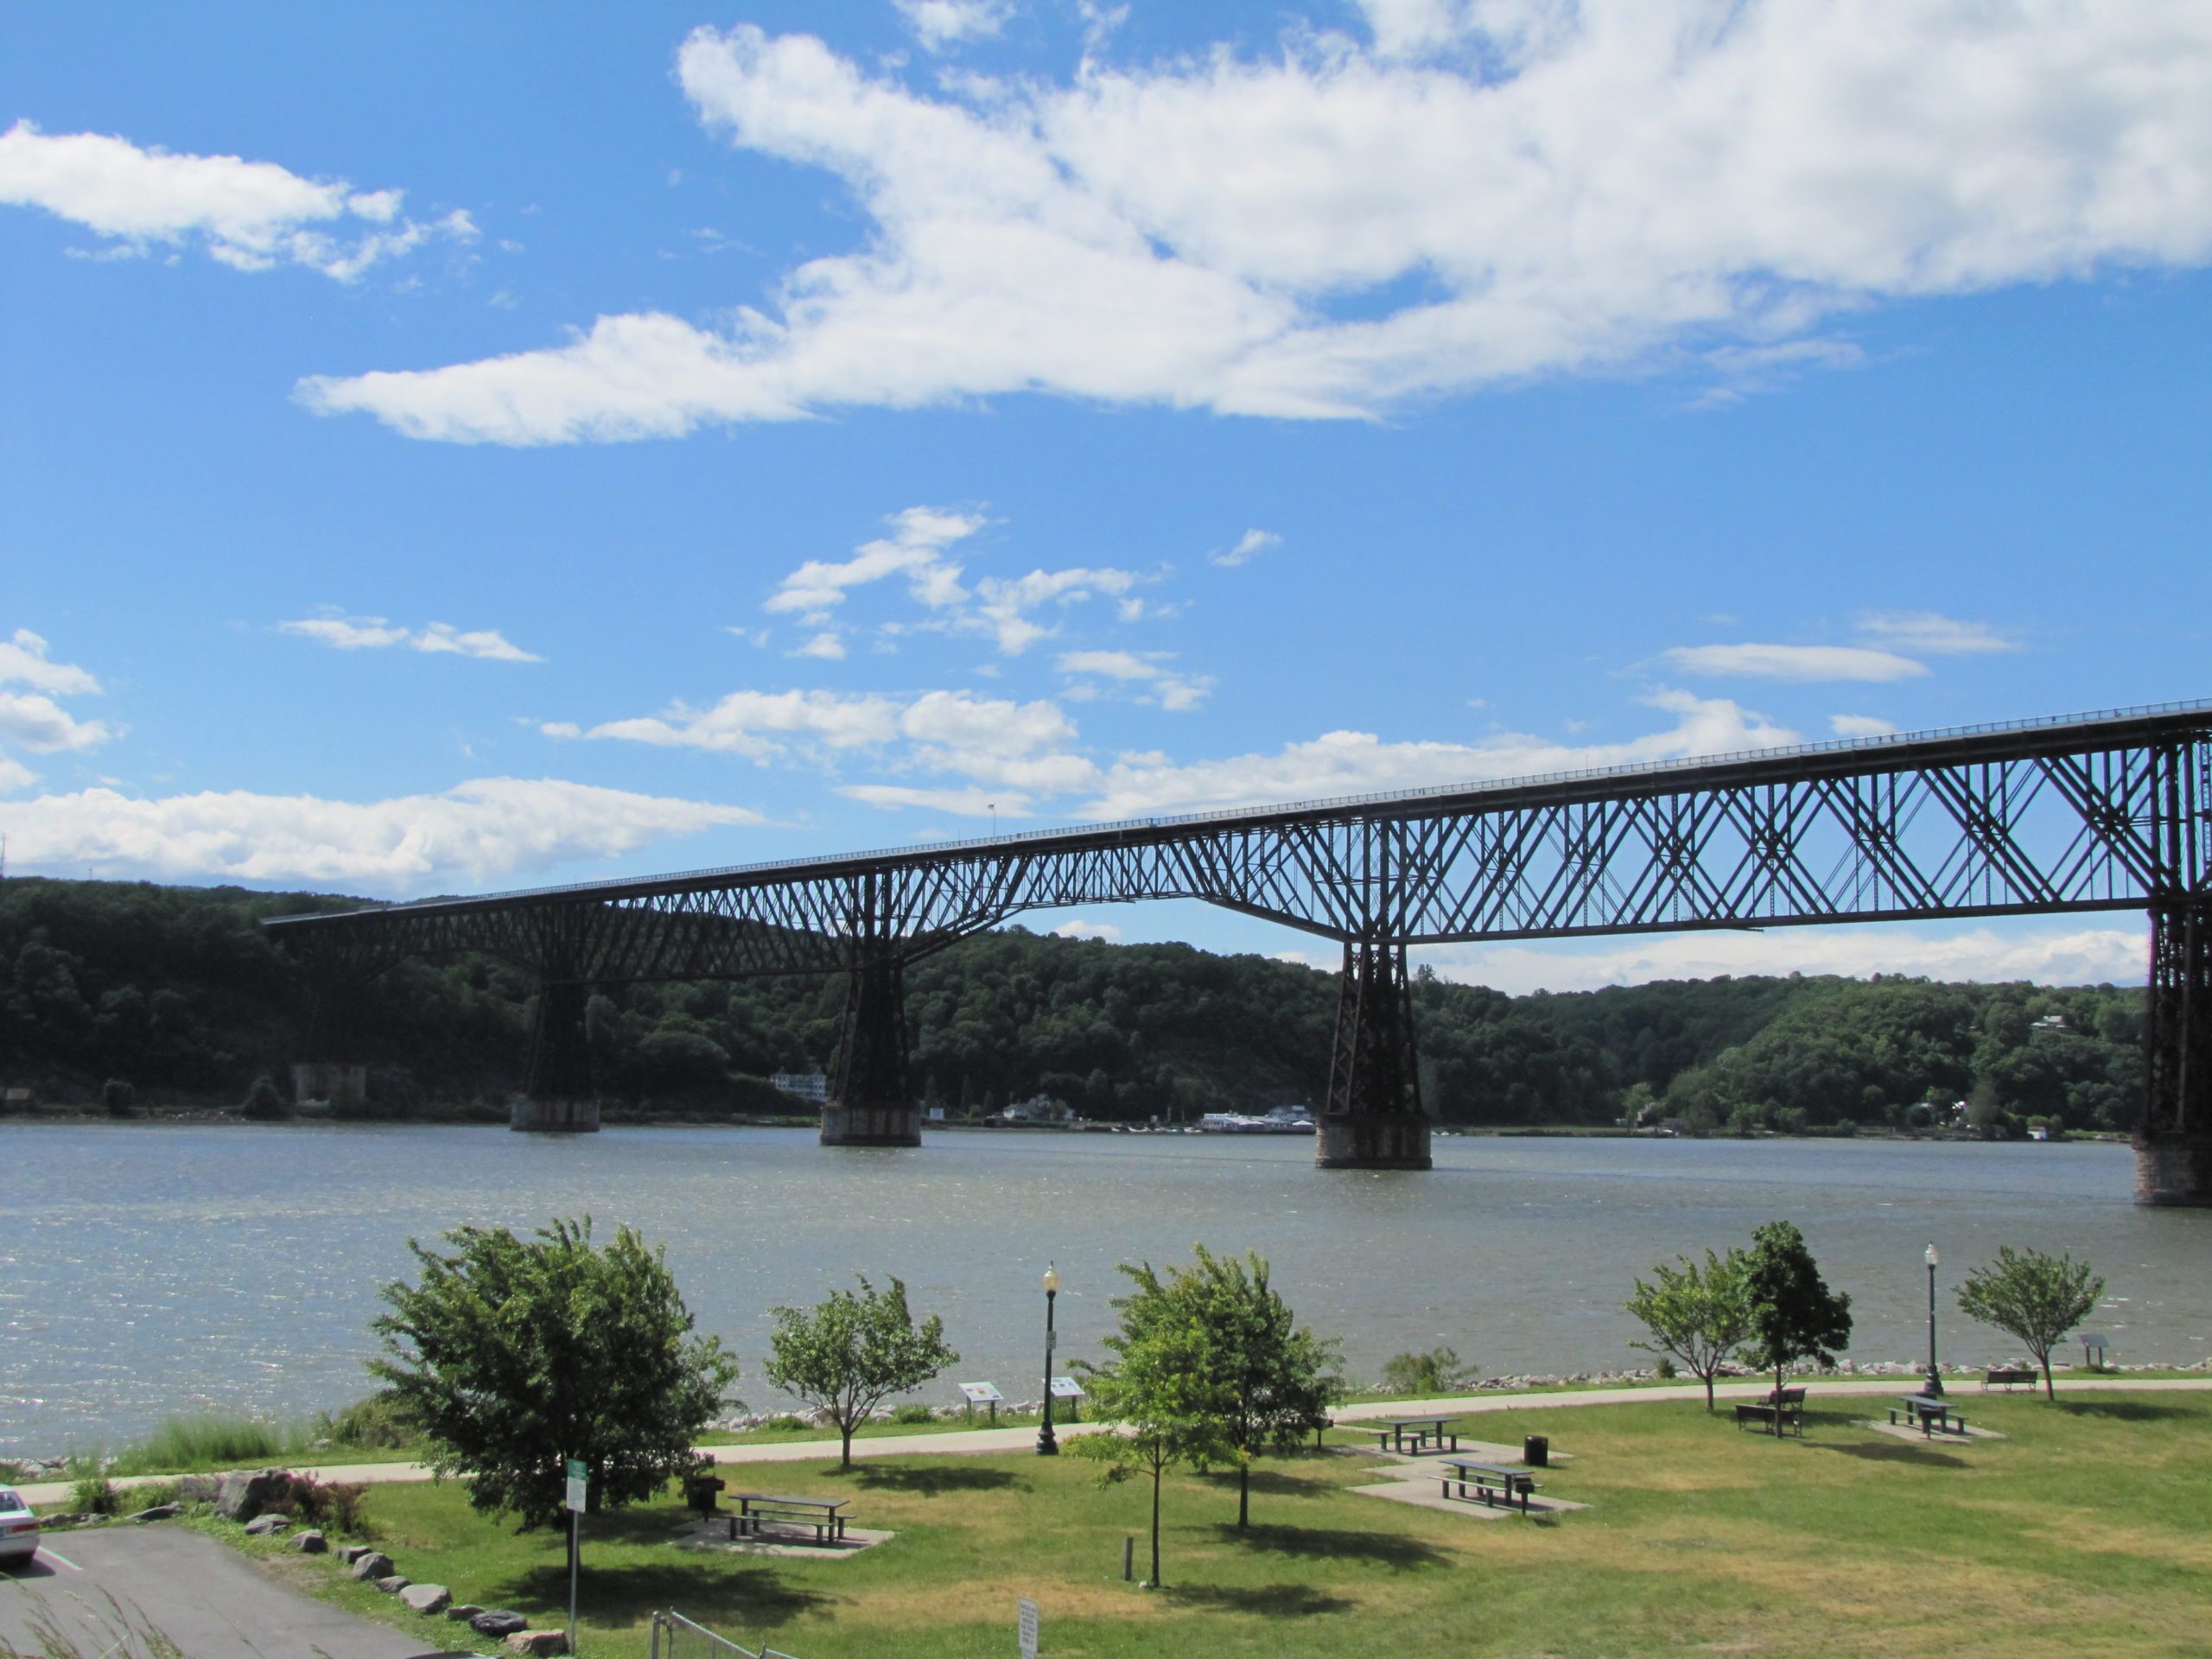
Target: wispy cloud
[
  {"x": 1149, "y": 672},
  {"x": 939, "y": 24},
  {"x": 1249, "y": 547},
  {"x": 1933, "y": 635},
  {"x": 375, "y": 633},
  {"x": 249, "y": 215},
  {"x": 1803, "y": 663}
]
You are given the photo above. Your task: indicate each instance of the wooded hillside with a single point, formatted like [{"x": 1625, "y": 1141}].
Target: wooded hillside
[{"x": 178, "y": 992}]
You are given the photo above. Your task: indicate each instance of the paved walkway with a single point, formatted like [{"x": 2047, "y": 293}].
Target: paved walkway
[
  {"x": 209, "y": 1599},
  {"x": 970, "y": 1441}
]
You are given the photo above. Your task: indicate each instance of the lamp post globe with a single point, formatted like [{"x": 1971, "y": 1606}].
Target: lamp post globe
[
  {"x": 1048, "y": 1444},
  {"x": 1934, "y": 1384}
]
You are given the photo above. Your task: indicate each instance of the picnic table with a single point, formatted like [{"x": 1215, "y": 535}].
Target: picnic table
[
  {"x": 1411, "y": 1436},
  {"x": 1790, "y": 1414},
  {"x": 755, "y": 1509},
  {"x": 1927, "y": 1414},
  {"x": 1492, "y": 1484}
]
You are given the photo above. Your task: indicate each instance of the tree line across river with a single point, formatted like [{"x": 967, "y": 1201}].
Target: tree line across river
[{"x": 176, "y": 995}]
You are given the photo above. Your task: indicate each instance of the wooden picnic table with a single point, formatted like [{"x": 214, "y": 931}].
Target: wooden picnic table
[
  {"x": 1492, "y": 1484},
  {"x": 823, "y": 1514},
  {"x": 1422, "y": 1432}
]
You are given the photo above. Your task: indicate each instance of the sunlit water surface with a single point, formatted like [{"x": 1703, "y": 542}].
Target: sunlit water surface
[{"x": 150, "y": 1269}]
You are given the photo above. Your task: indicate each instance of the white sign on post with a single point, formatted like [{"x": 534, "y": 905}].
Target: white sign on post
[
  {"x": 1028, "y": 1628},
  {"x": 1066, "y": 1388},
  {"x": 576, "y": 1479}
]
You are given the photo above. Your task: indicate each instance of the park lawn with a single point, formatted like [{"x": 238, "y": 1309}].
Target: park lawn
[{"x": 2082, "y": 1529}]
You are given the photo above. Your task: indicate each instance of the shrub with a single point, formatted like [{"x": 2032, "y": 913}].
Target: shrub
[
  {"x": 205, "y": 1441},
  {"x": 911, "y": 1413},
  {"x": 262, "y": 1101},
  {"x": 92, "y": 1492},
  {"x": 116, "y": 1098},
  {"x": 787, "y": 1422},
  {"x": 1438, "y": 1371},
  {"x": 150, "y": 1494},
  {"x": 1666, "y": 1368},
  {"x": 378, "y": 1423}
]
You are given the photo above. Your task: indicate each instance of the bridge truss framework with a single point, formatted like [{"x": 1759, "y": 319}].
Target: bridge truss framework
[{"x": 2091, "y": 813}]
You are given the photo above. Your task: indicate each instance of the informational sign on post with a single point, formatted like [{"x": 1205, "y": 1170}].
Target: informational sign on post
[
  {"x": 1028, "y": 1628},
  {"x": 1066, "y": 1388},
  {"x": 576, "y": 1487},
  {"x": 579, "y": 1490}
]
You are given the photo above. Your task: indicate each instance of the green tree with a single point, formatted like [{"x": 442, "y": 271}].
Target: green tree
[
  {"x": 1697, "y": 1314},
  {"x": 514, "y": 1355},
  {"x": 1156, "y": 1394},
  {"x": 1276, "y": 1377},
  {"x": 1439, "y": 1371},
  {"x": 264, "y": 1103},
  {"x": 2037, "y": 1298},
  {"x": 115, "y": 1097},
  {"x": 847, "y": 1355},
  {"x": 1794, "y": 1315}
]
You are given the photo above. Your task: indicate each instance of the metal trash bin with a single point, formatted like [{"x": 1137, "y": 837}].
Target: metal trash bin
[{"x": 1537, "y": 1451}]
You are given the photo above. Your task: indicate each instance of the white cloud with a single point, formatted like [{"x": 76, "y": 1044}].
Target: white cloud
[
  {"x": 1004, "y": 606},
  {"x": 941, "y": 23},
  {"x": 44, "y": 727},
  {"x": 14, "y": 775},
  {"x": 1249, "y": 547},
  {"x": 1080, "y": 929},
  {"x": 827, "y": 647},
  {"x": 476, "y": 830},
  {"x": 759, "y": 725},
  {"x": 2067, "y": 955},
  {"x": 1529, "y": 187},
  {"x": 1861, "y": 726},
  {"x": 1807, "y": 664},
  {"x": 23, "y": 661},
  {"x": 375, "y": 633},
  {"x": 1936, "y": 636},
  {"x": 914, "y": 550},
  {"x": 1360, "y": 763},
  {"x": 488, "y": 643},
  {"x": 251, "y": 215},
  {"x": 1160, "y": 684}
]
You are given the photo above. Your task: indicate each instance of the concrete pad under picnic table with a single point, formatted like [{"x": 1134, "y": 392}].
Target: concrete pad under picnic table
[
  {"x": 714, "y": 1534},
  {"x": 1939, "y": 1437},
  {"x": 1427, "y": 1494}
]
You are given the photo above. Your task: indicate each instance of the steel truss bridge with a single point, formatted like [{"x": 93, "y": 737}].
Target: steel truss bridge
[{"x": 2083, "y": 813}]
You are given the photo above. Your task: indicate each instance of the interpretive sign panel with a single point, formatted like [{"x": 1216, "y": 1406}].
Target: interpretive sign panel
[
  {"x": 1066, "y": 1388},
  {"x": 980, "y": 1394},
  {"x": 1028, "y": 1628}
]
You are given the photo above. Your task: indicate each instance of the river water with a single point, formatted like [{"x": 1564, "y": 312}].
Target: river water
[{"x": 148, "y": 1269}]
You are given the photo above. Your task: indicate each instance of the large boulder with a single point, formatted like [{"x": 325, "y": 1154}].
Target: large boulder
[
  {"x": 350, "y": 1553},
  {"x": 159, "y": 1512},
  {"x": 243, "y": 1495},
  {"x": 463, "y": 1610},
  {"x": 393, "y": 1584},
  {"x": 310, "y": 1542},
  {"x": 498, "y": 1622},
  {"x": 427, "y": 1598},
  {"x": 539, "y": 1644},
  {"x": 200, "y": 1489},
  {"x": 261, "y": 1525},
  {"x": 373, "y": 1564}
]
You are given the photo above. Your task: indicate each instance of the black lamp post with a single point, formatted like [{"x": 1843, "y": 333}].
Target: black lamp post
[
  {"x": 1935, "y": 1389},
  {"x": 1048, "y": 1445}
]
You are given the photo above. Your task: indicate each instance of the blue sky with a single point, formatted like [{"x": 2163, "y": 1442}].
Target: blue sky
[{"x": 444, "y": 452}]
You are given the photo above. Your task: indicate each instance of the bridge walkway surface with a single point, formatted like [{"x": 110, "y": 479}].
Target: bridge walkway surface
[{"x": 983, "y": 1441}]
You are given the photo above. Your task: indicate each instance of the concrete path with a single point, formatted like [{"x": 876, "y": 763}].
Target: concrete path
[
  {"x": 210, "y": 1600},
  {"x": 970, "y": 1441}
]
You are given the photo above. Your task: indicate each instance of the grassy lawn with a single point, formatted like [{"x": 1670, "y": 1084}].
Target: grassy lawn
[{"x": 2083, "y": 1530}]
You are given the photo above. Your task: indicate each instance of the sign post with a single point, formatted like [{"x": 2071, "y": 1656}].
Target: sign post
[
  {"x": 1028, "y": 1628},
  {"x": 578, "y": 1491}
]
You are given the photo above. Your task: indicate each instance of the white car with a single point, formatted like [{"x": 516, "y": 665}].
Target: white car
[{"x": 18, "y": 1527}]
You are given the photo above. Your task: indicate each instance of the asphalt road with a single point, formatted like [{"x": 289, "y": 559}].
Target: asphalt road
[{"x": 210, "y": 1600}]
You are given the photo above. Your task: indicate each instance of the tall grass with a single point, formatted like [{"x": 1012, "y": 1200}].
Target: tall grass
[{"x": 207, "y": 1440}]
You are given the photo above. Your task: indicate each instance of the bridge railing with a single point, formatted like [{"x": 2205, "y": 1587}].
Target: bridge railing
[{"x": 1020, "y": 838}]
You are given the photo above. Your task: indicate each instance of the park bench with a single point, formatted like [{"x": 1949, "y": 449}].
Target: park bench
[
  {"x": 1794, "y": 1397},
  {"x": 1492, "y": 1486},
  {"x": 755, "y": 1510},
  {"x": 1928, "y": 1414},
  {"x": 1774, "y": 1418},
  {"x": 2008, "y": 1376}
]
